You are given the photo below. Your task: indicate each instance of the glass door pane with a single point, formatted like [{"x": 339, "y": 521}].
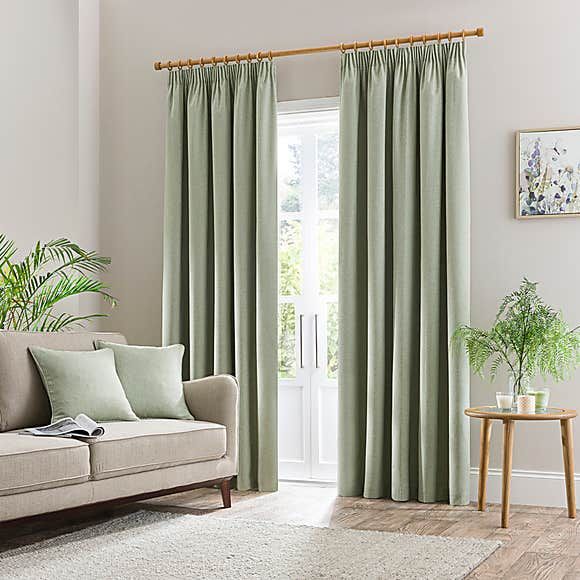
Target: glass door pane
[
  {"x": 287, "y": 341},
  {"x": 328, "y": 256},
  {"x": 290, "y": 155},
  {"x": 327, "y": 170},
  {"x": 290, "y": 257},
  {"x": 332, "y": 340},
  {"x": 308, "y": 294}
]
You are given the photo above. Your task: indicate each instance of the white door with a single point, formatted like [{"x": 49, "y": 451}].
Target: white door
[{"x": 308, "y": 282}]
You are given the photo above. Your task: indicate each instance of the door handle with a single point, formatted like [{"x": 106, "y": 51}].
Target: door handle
[
  {"x": 316, "y": 340},
  {"x": 301, "y": 324}
]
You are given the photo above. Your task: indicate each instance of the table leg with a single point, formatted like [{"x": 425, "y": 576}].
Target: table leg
[
  {"x": 508, "y": 445},
  {"x": 568, "y": 452},
  {"x": 483, "y": 462}
]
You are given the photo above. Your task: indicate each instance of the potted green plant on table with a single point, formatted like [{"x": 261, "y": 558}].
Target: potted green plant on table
[
  {"x": 32, "y": 289},
  {"x": 529, "y": 338}
]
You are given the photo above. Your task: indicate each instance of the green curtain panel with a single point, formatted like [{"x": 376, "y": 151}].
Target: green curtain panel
[
  {"x": 220, "y": 243},
  {"x": 404, "y": 274}
]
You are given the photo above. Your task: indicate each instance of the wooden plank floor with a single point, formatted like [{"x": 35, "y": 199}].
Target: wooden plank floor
[{"x": 542, "y": 543}]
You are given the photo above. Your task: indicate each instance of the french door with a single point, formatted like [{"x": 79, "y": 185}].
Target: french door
[{"x": 308, "y": 293}]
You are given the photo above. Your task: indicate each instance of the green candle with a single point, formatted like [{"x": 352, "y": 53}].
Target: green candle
[{"x": 542, "y": 397}]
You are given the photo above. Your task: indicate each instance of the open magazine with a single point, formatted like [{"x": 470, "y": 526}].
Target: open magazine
[{"x": 81, "y": 427}]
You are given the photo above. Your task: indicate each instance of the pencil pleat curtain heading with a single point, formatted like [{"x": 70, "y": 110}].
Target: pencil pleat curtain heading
[
  {"x": 404, "y": 274},
  {"x": 220, "y": 243}
]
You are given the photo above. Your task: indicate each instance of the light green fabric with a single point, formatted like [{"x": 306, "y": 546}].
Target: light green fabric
[
  {"x": 82, "y": 382},
  {"x": 220, "y": 244},
  {"x": 151, "y": 379},
  {"x": 404, "y": 274}
]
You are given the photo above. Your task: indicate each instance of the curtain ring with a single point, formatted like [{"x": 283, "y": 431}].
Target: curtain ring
[
  {"x": 438, "y": 38},
  {"x": 225, "y": 59},
  {"x": 412, "y": 39},
  {"x": 169, "y": 66},
  {"x": 189, "y": 63},
  {"x": 424, "y": 39},
  {"x": 342, "y": 47},
  {"x": 449, "y": 36},
  {"x": 356, "y": 45},
  {"x": 384, "y": 43},
  {"x": 397, "y": 42},
  {"x": 463, "y": 34},
  {"x": 201, "y": 63},
  {"x": 259, "y": 56},
  {"x": 270, "y": 55},
  {"x": 213, "y": 62},
  {"x": 370, "y": 43},
  {"x": 238, "y": 58},
  {"x": 179, "y": 65}
]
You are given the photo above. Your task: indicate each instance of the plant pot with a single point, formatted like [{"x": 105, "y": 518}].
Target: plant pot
[
  {"x": 526, "y": 404},
  {"x": 542, "y": 398}
]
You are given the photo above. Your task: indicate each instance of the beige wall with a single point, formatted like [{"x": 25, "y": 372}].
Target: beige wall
[
  {"x": 522, "y": 74},
  {"x": 49, "y": 122},
  {"x": 38, "y": 119}
]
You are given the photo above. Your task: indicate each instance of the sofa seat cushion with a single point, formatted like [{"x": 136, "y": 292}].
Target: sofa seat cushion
[
  {"x": 29, "y": 463},
  {"x": 128, "y": 447}
]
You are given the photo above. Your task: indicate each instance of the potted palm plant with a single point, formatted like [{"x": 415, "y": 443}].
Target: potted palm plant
[
  {"x": 528, "y": 337},
  {"x": 32, "y": 289}
]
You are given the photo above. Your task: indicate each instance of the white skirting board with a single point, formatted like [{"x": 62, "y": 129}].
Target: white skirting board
[
  {"x": 542, "y": 488},
  {"x": 545, "y": 488}
]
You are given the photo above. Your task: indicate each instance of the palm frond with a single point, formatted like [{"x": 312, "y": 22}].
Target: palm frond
[
  {"x": 53, "y": 323},
  {"x": 7, "y": 250},
  {"x": 53, "y": 271},
  {"x": 69, "y": 254}
]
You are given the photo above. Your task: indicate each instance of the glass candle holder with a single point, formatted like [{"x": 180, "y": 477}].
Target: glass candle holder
[
  {"x": 542, "y": 397},
  {"x": 504, "y": 401},
  {"x": 526, "y": 404}
]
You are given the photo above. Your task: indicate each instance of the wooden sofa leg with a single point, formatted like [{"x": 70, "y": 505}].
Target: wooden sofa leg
[{"x": 226, "y": 492}]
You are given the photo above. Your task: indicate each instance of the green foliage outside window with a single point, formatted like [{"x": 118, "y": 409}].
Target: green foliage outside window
[
  {"x": 332, "y": 341},
  {"x": 291, "y": 187},
  {"x": 327, "y": 170},
  {"x": 290, "y": 257},
  {"x": 290, "y": 279},
  {"x": 328, "y": 255},
  {"x": 291, "y": 245},
  {"x": 286, "y": 341}
]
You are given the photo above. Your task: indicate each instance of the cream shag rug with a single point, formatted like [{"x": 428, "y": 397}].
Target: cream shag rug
[{"x": 161, "y": 545}]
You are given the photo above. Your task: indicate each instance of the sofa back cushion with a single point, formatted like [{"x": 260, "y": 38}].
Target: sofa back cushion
[{"x": 23, "y": 399}]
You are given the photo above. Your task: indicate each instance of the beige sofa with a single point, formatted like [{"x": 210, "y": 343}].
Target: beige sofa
[{"x": 132, "y": 460}]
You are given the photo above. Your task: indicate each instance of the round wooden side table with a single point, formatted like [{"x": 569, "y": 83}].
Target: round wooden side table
[{"x": 489, "y": 414}]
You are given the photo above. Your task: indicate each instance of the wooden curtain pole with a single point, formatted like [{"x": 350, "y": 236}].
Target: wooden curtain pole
[{"x": 260, "y": 55}]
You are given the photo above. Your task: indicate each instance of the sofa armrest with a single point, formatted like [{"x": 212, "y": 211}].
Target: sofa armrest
[{"x": 216, "y": 399}]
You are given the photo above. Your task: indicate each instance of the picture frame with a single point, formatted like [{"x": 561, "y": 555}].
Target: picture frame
[{"x": 547, "y": 173}]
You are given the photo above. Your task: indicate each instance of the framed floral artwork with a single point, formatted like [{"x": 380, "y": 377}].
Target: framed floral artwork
[{"x": 548, "y": 175}]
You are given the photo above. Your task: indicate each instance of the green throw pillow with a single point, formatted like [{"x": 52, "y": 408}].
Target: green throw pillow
[
  {"x": 82, "y": 382},
  {"x": 151, "y": 377}
]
